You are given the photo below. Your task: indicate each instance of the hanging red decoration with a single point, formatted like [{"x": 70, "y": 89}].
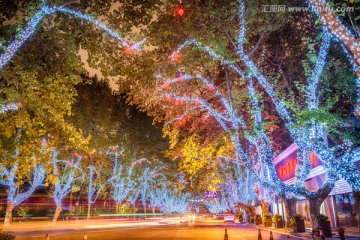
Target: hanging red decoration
[
  {"x": 178, "y": 103},
  {"x": 129, "y": 50},
  {"x": 179, "y": 11},
  {"x": 165, "y": 86},
  {"x": 210, "y": 88},
  {"x": 168, "y": 98},
  {"x": 181, "y": 79},
  {"x": 176, "y": 57},
  {"x": 180, "y": 123}
]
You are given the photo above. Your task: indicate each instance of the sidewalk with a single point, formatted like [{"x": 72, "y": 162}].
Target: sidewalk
[{"x": 351, "y": 234}]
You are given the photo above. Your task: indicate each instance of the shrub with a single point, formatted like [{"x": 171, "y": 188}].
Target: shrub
[
  {"x": 265, "y": 217},
  {"x": 292, "y": 222},
  {"x": 321, "y": 218},
  {"x": 6, "y": 236},
  {"x": 277, "y": 218}
]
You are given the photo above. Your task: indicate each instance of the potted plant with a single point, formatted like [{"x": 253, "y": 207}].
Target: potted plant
[
  {"x": 267, "y": 220},
  {"x": 298, "y": 222},
  {"x": 323, "y": 224},
  {"x": 258, "y": 219},
  {"x": 292, "y": 225},
  {"x": 241, "y": 219},
  {"x": 278, "y": 221}
]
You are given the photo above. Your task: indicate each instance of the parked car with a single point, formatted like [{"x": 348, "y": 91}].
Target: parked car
[{"x": 229, "y": 218}]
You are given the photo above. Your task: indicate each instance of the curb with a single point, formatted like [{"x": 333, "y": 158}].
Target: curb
[{"x": 276, "y": 231}]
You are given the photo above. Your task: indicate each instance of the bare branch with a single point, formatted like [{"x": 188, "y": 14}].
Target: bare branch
[
  {"x": 68, "y": 3},
  {"x": 261, "y": 37}
]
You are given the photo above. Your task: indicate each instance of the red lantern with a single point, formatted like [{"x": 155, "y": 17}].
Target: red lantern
[
  {"x": 129, "y": 50},
  {"x": 168, "y": 98},
  {"x": 210, "y": 88},
  {"x": 180, "y": 79},
  {"x": 165, "y": 86},
  {"x": 197, "y": 103},
  {"x": 75, "y": 154},
  {"x": 179, "y": 11},
  {"x": 180, "y": 123},
  {"x": 176, "y": 57}
]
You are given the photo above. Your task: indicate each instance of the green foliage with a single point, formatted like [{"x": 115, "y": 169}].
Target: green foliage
[
  {"x": 293, "y": 220},
  {"x": 266, "y": 217},
  {"x": 292, "y": 223},
  {"x": 277, "y": 218},
  {"x": 6, "y": 236},
  {"x": 108, "y": 120},
  {"x": 321, "y": 218},
  {"x": 23, "y": 211}
]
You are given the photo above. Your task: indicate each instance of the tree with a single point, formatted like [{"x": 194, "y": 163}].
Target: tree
[
  {"x": 108, "y": 120},
  {"x": 220, "y": 103},
  {"x": 46, "y": 10},
  {"x": 329, "y": 19},
  {"x": 94, "y": 188},
  {"x": 169, "y": 201},
  {"x": 122, "y": 177},
  {"x": 65, "y": 173},
  {"x": 238, "y": 184},
  {"x": 10, "y": 179},
  {"x": 147, "y": 177}
]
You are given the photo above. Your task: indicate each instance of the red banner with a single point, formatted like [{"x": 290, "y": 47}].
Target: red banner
[{"x": 286, "y": 168}]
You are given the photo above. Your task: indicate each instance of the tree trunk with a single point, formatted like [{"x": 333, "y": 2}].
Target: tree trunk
[
  {"x": 77, "y": 203},
  {"x": 264, "y": 208},
  {"x": 314, "y": 208},
  {"x": 357, "y": 206},
  {"x": 71, "y": 201},
  {"x": 249, "y": 209},
  {"x": 290, "y": 208},
  {"x": 134, "y": 209},
  {"x": 57, "y": 214},
  {"x": 8, "y": 214},
  {"x": 117, "y": 207},
  {"x": 88, "y": 211}
]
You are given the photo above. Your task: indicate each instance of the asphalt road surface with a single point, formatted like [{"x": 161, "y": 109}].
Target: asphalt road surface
[{"x": 157, "y": 230}]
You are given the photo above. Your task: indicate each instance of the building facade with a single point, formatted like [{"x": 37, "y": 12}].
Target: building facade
[{"x": 339, "y": 206}]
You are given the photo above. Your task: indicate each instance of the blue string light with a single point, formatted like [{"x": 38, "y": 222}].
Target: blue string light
[
  {"x": 45, "y": 11},
  {"x": 307, "y": 138}
]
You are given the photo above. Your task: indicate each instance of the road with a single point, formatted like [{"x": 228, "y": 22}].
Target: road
[{"x": 157, "y": 230}]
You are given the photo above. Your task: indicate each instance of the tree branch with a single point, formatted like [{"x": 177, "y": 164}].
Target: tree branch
[
  {"x": 261, "y": 37},
  {"x": 68, "y": 3}
]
